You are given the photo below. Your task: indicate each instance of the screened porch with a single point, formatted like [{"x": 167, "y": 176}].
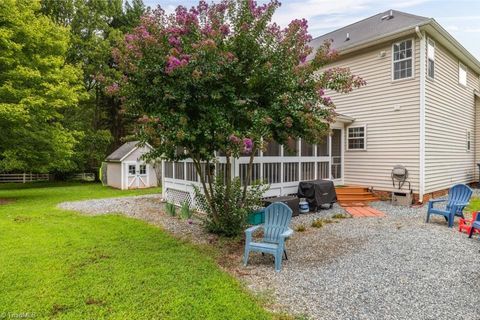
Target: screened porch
[{"x": 281, "y": 167}]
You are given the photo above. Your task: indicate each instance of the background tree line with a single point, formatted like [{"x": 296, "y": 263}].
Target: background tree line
[{"x": 58, "y": 110}]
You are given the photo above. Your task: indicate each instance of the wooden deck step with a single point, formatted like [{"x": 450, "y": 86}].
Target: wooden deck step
[{"x": 354, "y": 196}]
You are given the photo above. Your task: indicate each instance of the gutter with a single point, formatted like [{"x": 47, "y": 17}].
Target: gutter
[{"x": 422, "y": 62}]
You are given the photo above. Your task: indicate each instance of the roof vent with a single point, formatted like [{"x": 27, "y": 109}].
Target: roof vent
[
  {"x": 348, "y": 37},
  {"x": 388, "y": 16}
]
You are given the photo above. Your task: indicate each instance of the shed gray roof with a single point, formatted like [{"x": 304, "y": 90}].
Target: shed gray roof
[
  {"x": 370, "y": 28},
  {"x": 121, "y": 152}
]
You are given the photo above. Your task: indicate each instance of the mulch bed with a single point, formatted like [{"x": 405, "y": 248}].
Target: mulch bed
[{"x": 6, "y": 201}]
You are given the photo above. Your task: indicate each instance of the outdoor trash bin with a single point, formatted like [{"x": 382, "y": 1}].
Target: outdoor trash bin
[{"x": 292, "y": 202}]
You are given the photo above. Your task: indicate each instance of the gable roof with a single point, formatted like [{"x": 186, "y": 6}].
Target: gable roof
[
  {"x": 373, "y": 27},
  {"x": 124, "y": 150},
  {"x": 389, "y": 26}
]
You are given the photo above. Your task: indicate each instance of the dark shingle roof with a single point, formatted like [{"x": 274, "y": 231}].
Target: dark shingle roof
[
  {"x": 369, "y": 29},
  {"x": 121, "y": 152}
]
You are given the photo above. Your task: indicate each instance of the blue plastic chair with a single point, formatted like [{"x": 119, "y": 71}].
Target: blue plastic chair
[
  {"x": 475, "y": 225},
  {"x": 277, "y": 218},
  {"x": 458, "y": 198}
]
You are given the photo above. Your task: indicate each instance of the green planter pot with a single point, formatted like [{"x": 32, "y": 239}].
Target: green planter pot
[{"x": 257, "y": 217}]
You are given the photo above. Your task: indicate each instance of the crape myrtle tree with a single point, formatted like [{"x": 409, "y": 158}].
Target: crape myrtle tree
[{"x": 223, "y": 77}]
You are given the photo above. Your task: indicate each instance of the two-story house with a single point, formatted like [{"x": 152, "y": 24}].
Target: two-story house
[{"x": 419, "y": 108}]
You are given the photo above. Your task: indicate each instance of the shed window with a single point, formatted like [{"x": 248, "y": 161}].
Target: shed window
[
  {"x": 131, "y": 169},
  {"x": 469, "y": 140},
  {"x": 402, "y": 60},
  {"x": 462, "y": 74},
  {"x": 357, "y": 138},
  {"x": 143, "y": 169},
  {"x": 431, "y": 58}
]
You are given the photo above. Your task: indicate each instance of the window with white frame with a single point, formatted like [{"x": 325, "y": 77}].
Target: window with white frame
[
  {"x": 143, "y": 169},
  {"x": 462, "y": 74},
  {"x": 469, "y": 140},
  {"x": 357, "y": 138},
  {"x": 403, "y": 60},
  {"x": 132, "y": 169},
  {"x": 431, "y": 59}
]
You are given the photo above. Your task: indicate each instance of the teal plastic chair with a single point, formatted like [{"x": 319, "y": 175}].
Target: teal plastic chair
[
  {"x": 458, "y": 198},
  {"x": 277, "y": 219}
]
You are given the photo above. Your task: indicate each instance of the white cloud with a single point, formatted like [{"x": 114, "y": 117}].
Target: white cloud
[{"x": 311, "y": 9}]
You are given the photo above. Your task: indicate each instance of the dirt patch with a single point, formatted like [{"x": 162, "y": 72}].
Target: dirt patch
[{"x": 6, "y": 201}]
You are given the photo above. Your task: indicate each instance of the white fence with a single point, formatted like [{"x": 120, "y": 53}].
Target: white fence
[
  {"x": 84, "y": 177},
  {"x": 23, "y": 177}
]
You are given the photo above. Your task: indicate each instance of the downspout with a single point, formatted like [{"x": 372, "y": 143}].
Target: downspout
[{"x": 421, "y": 36}]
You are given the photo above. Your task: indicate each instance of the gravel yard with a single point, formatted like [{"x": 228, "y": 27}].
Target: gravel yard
[{"x": 395, "y": 267}]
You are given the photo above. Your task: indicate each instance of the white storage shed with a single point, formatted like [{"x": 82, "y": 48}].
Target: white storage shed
[{"x": 125, "y": 168}]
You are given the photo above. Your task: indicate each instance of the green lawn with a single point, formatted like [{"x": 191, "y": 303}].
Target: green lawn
[{"x": 60, "y": 264}]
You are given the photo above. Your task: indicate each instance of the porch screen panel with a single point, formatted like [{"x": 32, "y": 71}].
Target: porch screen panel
[
  {"x": 244, "y": 173},
  {"x": 168, "y": 170},
  {"x": 272, "y": 149},
  {"x": 291, "y": 148},
  {"x": 307, "y": 149},
  {"x": 191, "y": 172},
  {"x": 290, "y": 171},
  {"x": 308, "y": 171},
  {"x": 322, "y": 148},
  {"x": 180, "y": 170},
  {"x": 323, "y": 172},
  {"x": 272, "y": 173}
]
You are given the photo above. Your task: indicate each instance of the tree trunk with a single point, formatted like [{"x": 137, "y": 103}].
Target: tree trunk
[{"x": 249, "y": 174}]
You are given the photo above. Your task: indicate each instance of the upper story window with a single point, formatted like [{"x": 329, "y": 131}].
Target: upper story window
[
  {"x": 402, "y": 60},
  {"x": 462, "y": 74},
  {"x": 431, "y": 58},
  {"x": 357, "y": 138}
]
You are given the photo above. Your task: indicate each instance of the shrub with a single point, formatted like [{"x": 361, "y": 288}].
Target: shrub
[
  {"x": 229, "y": 215},
  {"x": 170, "y": 209},
  {"x": 341, "y": 216},
  {"x": 317, "y": 223},
  {"x": 185, "y": 212},
  {"x": 300, "y": 228}
]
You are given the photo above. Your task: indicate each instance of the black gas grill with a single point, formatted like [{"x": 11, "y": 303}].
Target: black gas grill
[{"x": 317, "y": 193}]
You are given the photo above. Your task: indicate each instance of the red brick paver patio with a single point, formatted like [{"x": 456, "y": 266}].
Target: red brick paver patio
[{"x": 362, "y": 212}]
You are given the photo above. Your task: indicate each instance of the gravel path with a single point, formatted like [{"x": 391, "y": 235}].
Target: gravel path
[
  {"x": 395, "y": 267},
  {"x": 149, "y": 208}
]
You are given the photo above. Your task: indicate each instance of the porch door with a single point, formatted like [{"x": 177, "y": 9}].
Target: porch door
[
  {"x": 137, "y": 175},
  {"x": 336, "y": 159}
]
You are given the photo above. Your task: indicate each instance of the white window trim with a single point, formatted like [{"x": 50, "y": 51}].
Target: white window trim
[
  {"x": 468, "y": 138},
  {"x": 393, "y": 61},
  {"x": 364, "y": 138},
  {"x": 432, "y": 42},
  {"x": 462, "y": 66}
]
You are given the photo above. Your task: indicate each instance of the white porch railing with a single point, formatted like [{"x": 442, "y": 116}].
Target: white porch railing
[{"x": 281, "y": 172}]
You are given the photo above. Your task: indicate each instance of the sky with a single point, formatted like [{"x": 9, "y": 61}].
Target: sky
[{"x": 460, "y": 18}]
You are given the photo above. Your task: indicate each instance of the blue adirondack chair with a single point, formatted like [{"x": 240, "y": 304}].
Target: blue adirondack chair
[
  {"x": 458, "y": 198},
  {"x": 276, "y": 231},
  {"x": 475, "y": 225}
]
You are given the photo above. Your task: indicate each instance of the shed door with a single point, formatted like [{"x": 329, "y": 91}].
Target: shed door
[{"x": 137, "y": 175}]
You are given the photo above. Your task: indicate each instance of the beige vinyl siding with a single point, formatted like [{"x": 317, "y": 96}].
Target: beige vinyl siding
[
  {"x": 449, "y": 112},
  {"x": 392, "y": 136},
  {"x": 477, "y": 136}
]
